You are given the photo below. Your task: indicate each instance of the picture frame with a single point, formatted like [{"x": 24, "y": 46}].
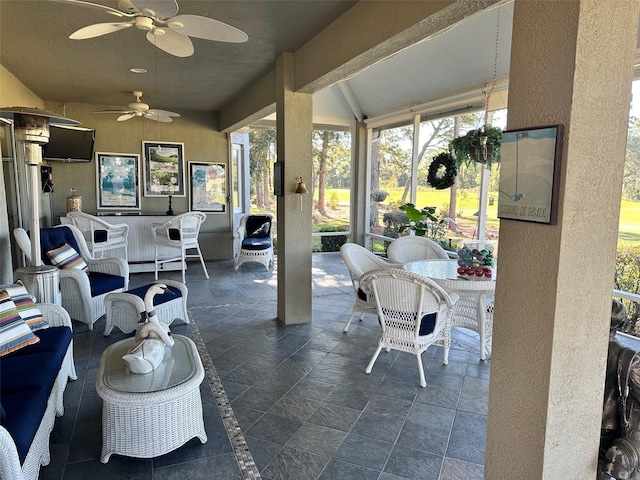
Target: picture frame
[
  {"x": 208, "y": 183},
  {"x": 530, "y": 174},
  {"x": 117, "y": 181},
  {"x": 163, "y": 169}
]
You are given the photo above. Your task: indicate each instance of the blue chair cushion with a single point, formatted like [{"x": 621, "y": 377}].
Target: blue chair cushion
[
  {"x": 174, "y": 234},
  {"x": 55, "y": 340},
  {"x": 104, "y": 283},
  {"x": 100, "y": 236},
  {"x": 427, "y": 324},
  {"x": 3, "y": 414},
  {"x": 158, "y": 299},
  {"x": 256, "y": 243},
  {"x": 52, "y": 238},
  {"x": 23, "y": 427}
]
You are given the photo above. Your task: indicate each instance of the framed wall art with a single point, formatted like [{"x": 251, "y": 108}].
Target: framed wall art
[
  {"x": 208, "y": 183},
  {"x": 163, "y": 169},
  {"x": 118, "y": 181},
  {"x": 530, "y": 174}
]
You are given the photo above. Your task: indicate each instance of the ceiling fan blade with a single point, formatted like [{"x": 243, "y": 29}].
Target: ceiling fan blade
[
  {"x": 207, "y": 29},
  {"x": 157, "y": 117},
  {"x": 126, "y": 116},
  {"x": 166, "y": 113},
  {"x": 161, "y": 8},
  {"x": 172, "y": 42},
  {"x": 113, "y": 111},
  {"x": 96, "y": 6},
  {"x": 98, "y": 29}
]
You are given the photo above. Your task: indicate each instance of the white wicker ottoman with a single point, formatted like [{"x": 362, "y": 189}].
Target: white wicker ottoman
[
  {"x": 123, "y": 308},
  {"x": 147, "y": 415}
]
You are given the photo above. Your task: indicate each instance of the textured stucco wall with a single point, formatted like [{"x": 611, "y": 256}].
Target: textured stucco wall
[
  {"x": 571, "y": 64},
  {"x": 13, "y": 93},
  {"x": 294, "y": 129}
]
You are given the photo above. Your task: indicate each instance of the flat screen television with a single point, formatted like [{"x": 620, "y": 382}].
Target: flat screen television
[{"x": 69, "y": 144}]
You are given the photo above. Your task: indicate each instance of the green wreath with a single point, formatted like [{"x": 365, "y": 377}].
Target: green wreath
[{"x": 442, "y": 171}]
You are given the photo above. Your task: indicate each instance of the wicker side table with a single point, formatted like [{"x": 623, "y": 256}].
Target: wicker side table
[{"x": 147, "y": 415}]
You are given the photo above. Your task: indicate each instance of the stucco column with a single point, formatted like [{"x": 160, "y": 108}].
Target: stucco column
[
  {"x": 571, "y": 64},
  {"x": 294, "y": 124}
]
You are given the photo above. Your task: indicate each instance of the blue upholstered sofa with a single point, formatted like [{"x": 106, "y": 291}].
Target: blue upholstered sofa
[{"x": 32, "y": 384}]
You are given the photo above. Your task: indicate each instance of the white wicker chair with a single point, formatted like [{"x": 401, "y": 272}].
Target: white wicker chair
[
  {"x": 408, "y": 249},
  {"x": 359, "y": 260},
  {"x": 100, "y": 235},
  {"x": 414, "y": 312},
  {"x": 180, "y": 232},
  {"x": 258, "y": 249},
  {"x": 75, "y": 286},
  {"x": 10, "y": 467}
]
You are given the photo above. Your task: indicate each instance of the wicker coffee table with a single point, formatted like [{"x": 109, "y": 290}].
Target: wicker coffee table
[{"x": 147, "y": 415}]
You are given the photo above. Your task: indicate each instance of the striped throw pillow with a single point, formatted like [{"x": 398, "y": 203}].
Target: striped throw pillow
[
  {"x": 66, "y": 257},
  {"x": 25, "y": 305},
  {"x": 14, "y": 332}
]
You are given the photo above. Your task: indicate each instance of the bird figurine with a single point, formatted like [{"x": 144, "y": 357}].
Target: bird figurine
[{"x": 151, "y": 336}]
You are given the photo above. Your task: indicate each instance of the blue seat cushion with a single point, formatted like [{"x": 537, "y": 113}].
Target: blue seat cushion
[
  {"x": 27, "y": 372},
  {"x": 53, "y": 339},
  {"x": 52, "y": 238},
  {"x": 104, "y": 283},
  {"x": 158, "y": 299},
  {"x": 21, "y": 426},
  {"x": 256, "y": 243}
]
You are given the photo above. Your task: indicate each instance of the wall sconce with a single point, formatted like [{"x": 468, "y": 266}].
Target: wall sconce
[{"x": 301, "y": 189}]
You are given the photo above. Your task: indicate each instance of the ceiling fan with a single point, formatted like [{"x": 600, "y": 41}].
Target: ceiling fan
[
  {"x": 164, "y": 29},
  {"x": 140, "y": 109}
]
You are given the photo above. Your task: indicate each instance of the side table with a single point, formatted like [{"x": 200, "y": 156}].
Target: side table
[{"x": 147, "y": 415}]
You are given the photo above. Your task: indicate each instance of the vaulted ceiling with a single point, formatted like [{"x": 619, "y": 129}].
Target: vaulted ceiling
[{"x": 35, "y": 47}]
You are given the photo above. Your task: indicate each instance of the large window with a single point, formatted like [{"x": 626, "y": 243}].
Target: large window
[{"x": 394, "y": 163}]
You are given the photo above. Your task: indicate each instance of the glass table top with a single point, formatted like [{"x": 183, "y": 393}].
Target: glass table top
[{"x": 177, "y": 367}]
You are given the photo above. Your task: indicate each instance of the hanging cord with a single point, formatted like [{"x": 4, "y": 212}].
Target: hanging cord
[
  {"x": 487, "y": 93},
  {"x": 155, "y": 61}
]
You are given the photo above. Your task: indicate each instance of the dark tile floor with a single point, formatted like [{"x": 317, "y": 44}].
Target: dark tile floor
[{"x": 295, "y": 401}]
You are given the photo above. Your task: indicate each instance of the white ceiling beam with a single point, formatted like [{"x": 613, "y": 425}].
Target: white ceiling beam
[{"x": 351, "y": 100}]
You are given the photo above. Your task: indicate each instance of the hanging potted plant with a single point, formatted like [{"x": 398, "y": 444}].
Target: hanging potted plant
[
  {"x": 379, "y": 195},
  {"x": 481, "y": 145}
]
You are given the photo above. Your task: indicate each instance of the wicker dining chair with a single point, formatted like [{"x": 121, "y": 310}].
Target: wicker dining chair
[
  {"x": 359, "y": 261},
  {"x": 408, "y": 249},
  {"x": 100, "y": 235},
  {"x": 414, "y": 313}
]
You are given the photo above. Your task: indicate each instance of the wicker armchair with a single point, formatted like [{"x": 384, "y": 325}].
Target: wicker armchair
[
  {"x": 414, "y": 312},
  {"x": 100, "y": 235},
  {"x": 407, "y": 249},
  {"x": 254, "y": 236},
  {"x": 83, "y": 292},
  {"x": 359, "y": 260}
]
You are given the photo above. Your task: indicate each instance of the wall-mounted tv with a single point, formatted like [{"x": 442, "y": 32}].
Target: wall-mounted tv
[{"x": 69, "y": 144}]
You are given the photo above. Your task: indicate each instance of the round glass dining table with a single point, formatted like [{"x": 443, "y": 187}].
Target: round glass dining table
[{"x": 474, "y": 308}]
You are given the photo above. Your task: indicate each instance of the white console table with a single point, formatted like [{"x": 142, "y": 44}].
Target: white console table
[{"x": 140, "y": 250}]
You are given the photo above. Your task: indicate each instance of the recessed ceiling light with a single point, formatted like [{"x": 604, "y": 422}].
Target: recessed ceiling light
[{"x": 138, "y": 70}]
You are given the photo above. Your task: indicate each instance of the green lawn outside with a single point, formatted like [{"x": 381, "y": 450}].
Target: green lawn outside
[{"x": 467, "y": 206}]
